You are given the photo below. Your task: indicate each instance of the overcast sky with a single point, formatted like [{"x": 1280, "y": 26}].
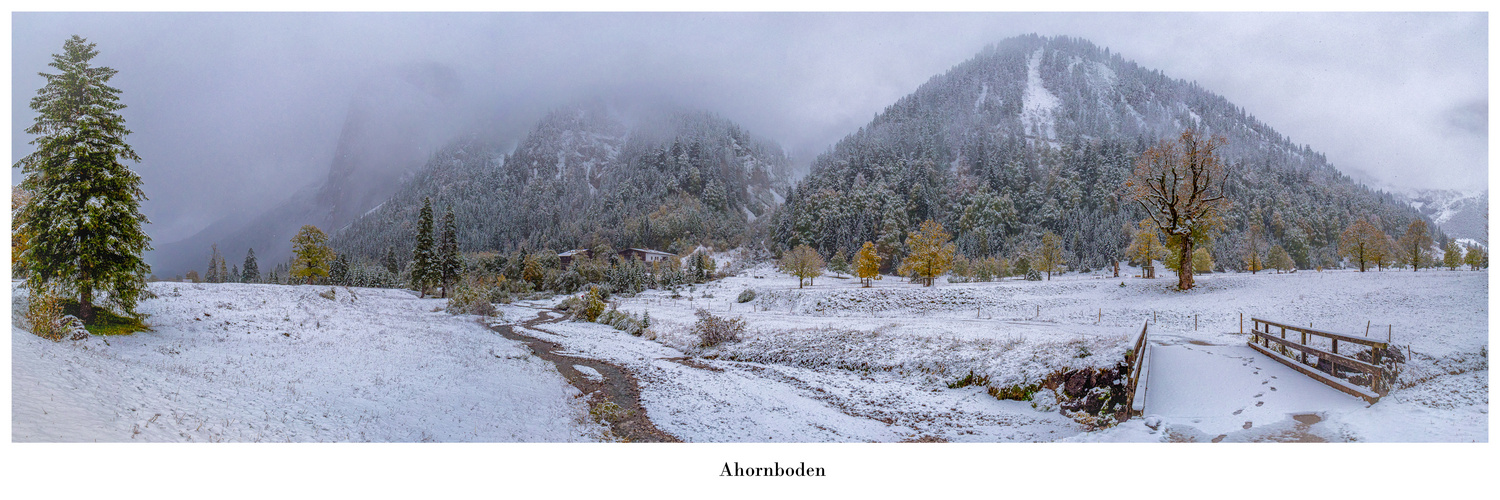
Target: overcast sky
[{"x": 233, "y": 112}]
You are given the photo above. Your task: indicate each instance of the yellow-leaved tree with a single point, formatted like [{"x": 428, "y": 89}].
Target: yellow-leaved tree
[
  {"x": 867, "y": 264},
  {"x": 312, "y": 256},
  {"x": 931, "y": 253},
  {"x": 1051, "y": 258},
  {"x": 802, "y": 262}
]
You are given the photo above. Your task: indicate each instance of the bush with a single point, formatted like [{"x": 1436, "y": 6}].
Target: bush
[
  {"x": 746, "y": 296},
  {"x": 591, "y": 305},
  {"x": 471, "y": 295},
  {"x": 44, "y": 316},
  {"x": 623, "y": 321},
  {"x": 1033, "y": 275},
  {"x": 713, "y": 330}
]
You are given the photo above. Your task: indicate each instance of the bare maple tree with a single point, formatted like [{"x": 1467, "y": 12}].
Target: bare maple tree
[{"x": 1180, "y": 184}]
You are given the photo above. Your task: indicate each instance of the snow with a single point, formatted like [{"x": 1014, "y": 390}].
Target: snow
[
  {"x": 589, "y": 373},
  {"x": 904, "y": 342},
  {"x": 1037, "y": 103},
  {"x": 831, "y": 362},
  {"x": 984, "y": 91},
  {"x": 238, "y": 362}
]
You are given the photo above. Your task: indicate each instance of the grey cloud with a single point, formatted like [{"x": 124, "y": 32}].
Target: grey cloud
[
  {"x": 235, "y": 112},
  {"x": 1471, "y": 118}
]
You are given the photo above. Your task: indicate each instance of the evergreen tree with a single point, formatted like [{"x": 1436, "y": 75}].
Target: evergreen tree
[
  {"x": 338, "y": 273},
  {"x": 838, "y": 264},
  {"x": 390, "y": 261},
  {"x": 867, "y": 264},
  {"x": 931, "y": 253},
  {"x": 212, "y": 274},
  {"x": 18, "y": 239},
  {"x": 83, "y": 221},
  {"x": 234, "y": 274},
  {"x": 311, "y": 257},
  {"x": 424, "y": 263},
  {"x": 450, "y": 266},
  {"x": 251, "y": 272}
]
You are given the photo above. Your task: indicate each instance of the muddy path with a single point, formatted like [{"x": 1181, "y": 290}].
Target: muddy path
[{"x": 627, "y": 419}]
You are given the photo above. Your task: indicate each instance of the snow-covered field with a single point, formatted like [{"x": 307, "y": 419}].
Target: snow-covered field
[
  {"x": 883, "y": 355},
  {"x": 235, "y": 362},
  {"x": 832, "y": 362}
]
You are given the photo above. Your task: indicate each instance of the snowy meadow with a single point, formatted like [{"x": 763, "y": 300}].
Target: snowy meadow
[{"x": 831, "y": 362}]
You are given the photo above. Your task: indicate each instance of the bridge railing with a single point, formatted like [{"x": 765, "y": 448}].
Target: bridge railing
[
  {"x": 1364, "y": 379},
  {"x": 1135, "y": 398}
]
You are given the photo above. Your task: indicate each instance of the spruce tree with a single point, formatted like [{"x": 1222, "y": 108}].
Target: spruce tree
[
  {"x": 83, "y": 221},
  {"x": 251, "y": 273},
  {"x": 450, "y": 266},
  {"x": 423, "y": 262},
  {"x": 234, "y": 275},
  {"x": 338, "y": 273},
  {"x": 390, "y": 261}
]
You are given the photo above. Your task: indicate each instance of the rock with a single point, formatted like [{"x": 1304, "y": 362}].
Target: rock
[{"x": 1077, "y": 384}]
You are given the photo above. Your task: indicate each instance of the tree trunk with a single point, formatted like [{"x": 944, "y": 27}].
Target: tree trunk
[
  {"x": 1185, "y": 265},
  {"x": 86, "y": 304}
]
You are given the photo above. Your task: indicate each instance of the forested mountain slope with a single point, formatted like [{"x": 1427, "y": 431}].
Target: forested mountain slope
[
  {"x": 1037, "y": 134},
  {"x": 583, "y": 178}
]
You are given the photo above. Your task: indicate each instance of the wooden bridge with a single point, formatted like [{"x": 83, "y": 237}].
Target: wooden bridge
[{"x": 1367, "y": 379}]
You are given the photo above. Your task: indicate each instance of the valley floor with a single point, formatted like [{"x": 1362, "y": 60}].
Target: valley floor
[
  {"x": 832, "y": 362},
  {"x": 236, "y": 362}
]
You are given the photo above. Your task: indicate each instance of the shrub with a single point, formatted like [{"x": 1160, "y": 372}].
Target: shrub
[
  {"x": 746, "y": 296},
  {"x": 1033, "y": 275},
  {"x": 592, "y": 305},
  {"x": 1018, "y": 392},
  {"x": 44, "y": 316},
  {"x": 968, "y": 380},
  {"x": 623, "y": 321},
  {"x": 471, "y": 295},
  {"x": 713, "y": 330}
]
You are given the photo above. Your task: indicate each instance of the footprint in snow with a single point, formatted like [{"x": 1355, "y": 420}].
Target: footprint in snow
[
  {"x": 1273, "y": 388},
  {"x": 1247, "y": 425},
  {"x": 1260, "y": 403},
  {"x": 1239, "y": 411},
  {"x": 1259, "y": 395}
]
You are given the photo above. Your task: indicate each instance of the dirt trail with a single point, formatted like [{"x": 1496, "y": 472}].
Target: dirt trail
[{"x": 618, "y": 386}]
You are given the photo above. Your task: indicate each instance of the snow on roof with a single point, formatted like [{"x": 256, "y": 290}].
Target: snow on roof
[{"x": 648, "y": 251}]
